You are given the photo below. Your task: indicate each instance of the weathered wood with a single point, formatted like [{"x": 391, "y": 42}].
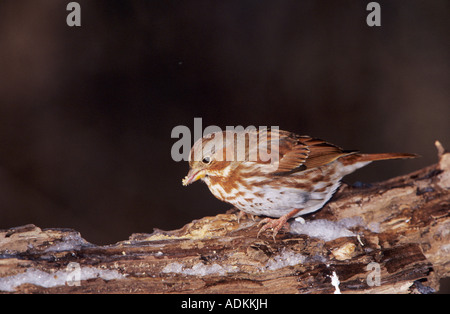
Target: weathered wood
[{"x": 397, "y": 240}]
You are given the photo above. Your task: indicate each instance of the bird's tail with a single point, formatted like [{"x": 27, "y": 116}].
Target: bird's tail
[
  {"x": 357, "y": 157},
  {"x": 355, "y": 161}
]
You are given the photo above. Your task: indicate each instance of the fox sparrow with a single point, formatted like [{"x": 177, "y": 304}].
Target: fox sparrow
[{"x": 273, "y": 173}]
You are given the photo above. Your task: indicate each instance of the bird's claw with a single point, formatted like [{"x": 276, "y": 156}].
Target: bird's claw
[
  {"x": 241, "y": 214},
  {"x": 275, "y": 224}
]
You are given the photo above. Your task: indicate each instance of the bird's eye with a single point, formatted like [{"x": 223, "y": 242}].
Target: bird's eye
[{"x": 206, "y": 160}]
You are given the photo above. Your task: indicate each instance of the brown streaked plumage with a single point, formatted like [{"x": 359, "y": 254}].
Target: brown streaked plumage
[{"x": 300, "y": 176}]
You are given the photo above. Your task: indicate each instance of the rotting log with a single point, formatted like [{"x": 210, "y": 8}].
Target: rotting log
[{"x": 398, "y": 242}]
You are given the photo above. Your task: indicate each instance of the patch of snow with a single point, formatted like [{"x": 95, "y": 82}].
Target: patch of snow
[
  {"x": 326, "y": 230},
  {"x": 351, "y": 222},
  {"x": 60, "y": 278},
  {"x": 71, "y": 242},
  {"x": 173, "y": 268},
  {"x": 374, "y": 227},
  {"x": 286, "y": 258}
]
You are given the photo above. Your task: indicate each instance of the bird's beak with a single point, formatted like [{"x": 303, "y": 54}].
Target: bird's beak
[{"x": 192, "y": 176}]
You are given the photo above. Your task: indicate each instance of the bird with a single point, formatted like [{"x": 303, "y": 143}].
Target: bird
[{"x": 273, "y": 173}]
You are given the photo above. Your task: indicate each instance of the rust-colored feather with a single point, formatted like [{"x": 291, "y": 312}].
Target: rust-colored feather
[
  {"x": 351, "y": 159},
  {"x": 322, "y": 153},
  {"x": 298, "y": 153}
]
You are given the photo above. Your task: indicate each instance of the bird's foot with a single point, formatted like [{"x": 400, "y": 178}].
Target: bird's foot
[
  {"x": 242, "y": 214},
  {"x": 275, "y": 224}
]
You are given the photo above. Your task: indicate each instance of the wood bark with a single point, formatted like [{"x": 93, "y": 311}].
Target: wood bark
[{"x": 399, "y": 242}]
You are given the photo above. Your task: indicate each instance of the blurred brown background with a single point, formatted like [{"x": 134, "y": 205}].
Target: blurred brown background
[{"x": 86, "y": 113}]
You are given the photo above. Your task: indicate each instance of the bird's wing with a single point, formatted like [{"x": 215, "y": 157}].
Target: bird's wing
[{"x": 298, "y": 153}]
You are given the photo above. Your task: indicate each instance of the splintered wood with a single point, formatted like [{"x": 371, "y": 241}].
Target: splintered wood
[{"x": 390, "y": 237}]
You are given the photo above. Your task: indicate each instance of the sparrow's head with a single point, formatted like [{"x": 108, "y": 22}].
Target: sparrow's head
[{"x": 208, "y": 157}]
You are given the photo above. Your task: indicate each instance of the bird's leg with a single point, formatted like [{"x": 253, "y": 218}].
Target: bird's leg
[
  {"x": 242, "y": 214},
  {"x": 276, "y": 224}
]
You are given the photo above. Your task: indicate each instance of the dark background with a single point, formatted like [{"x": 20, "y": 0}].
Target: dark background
[{"x": 86, "y": 113}]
